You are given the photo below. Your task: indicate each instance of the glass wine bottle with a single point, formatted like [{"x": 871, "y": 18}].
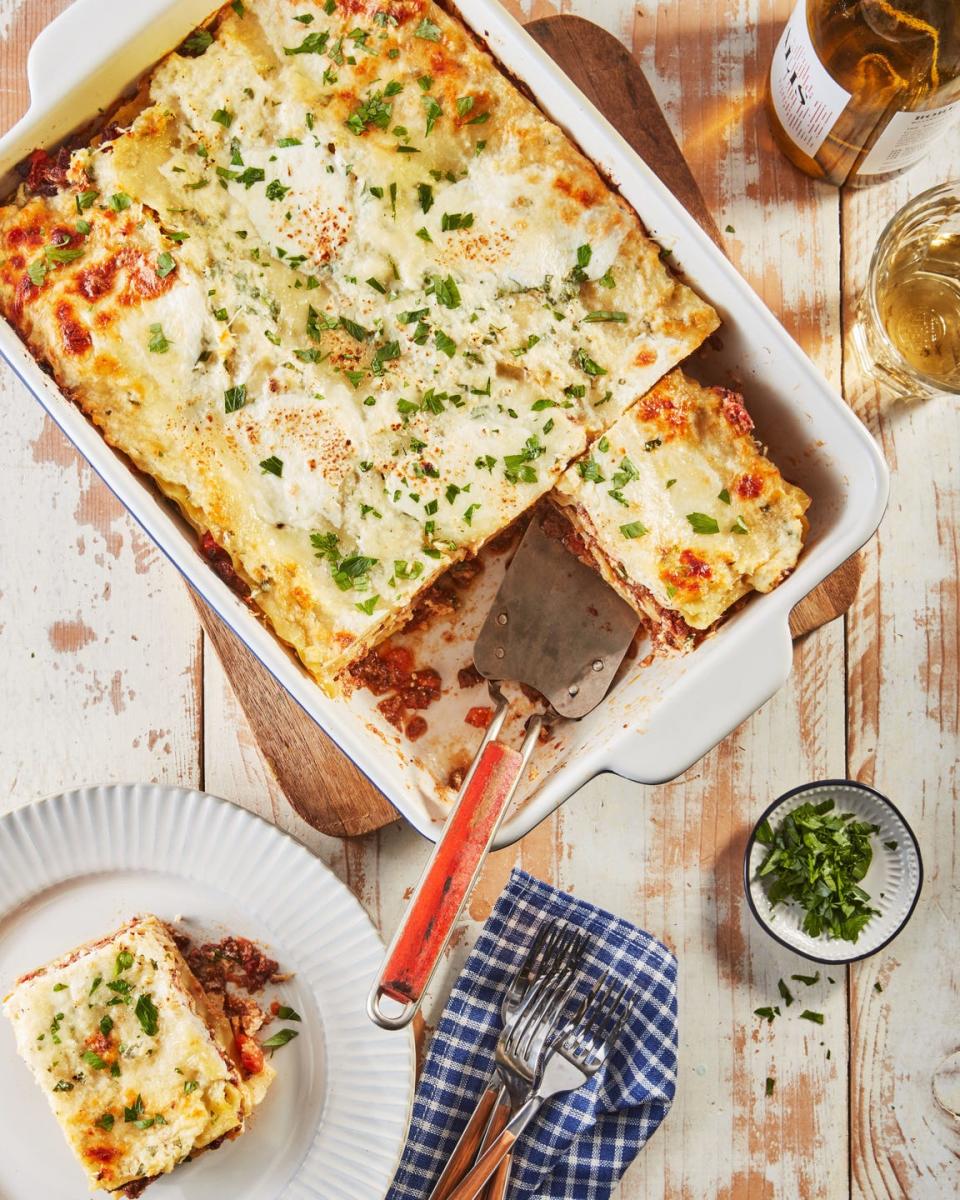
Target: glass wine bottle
[{"x": 860, "y": 90}]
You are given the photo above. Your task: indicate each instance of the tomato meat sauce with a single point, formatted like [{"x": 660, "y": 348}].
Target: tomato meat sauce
[{"x": 390, "y": 671}]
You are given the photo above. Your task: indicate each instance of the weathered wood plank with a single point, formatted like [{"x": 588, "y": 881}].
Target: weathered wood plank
[
  {"x": 100, "y": 651},
  {"x": 904, "y": 739}
]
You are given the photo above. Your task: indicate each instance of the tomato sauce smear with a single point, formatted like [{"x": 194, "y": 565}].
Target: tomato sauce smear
[{"x": 390, "y": 671}]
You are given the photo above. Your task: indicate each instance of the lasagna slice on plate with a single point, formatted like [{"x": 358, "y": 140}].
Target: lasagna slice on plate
[
  {"x": 681, "y": 511},
  {"x": 139, "y": 1064}
]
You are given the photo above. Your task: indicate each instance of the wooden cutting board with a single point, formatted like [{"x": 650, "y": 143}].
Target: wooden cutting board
[{"x": 321, "y": 783}]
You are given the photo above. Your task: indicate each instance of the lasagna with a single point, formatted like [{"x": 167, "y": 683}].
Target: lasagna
[
  {"x": 681, "y": 511},
  {"x": 348, "y": 297},
  {"x": 139, "y": 1062}
]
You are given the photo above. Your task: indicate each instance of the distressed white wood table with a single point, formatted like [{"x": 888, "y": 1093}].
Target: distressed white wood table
[{"x": 106, "y": 677}]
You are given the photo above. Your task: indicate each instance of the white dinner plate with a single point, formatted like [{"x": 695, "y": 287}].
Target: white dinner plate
[{"x": 80, "y": 864}]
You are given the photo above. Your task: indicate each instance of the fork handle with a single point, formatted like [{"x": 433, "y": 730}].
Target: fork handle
[
  {"x": 498, "y": 1150},
  {"x": 496, "y": 1189},
  {"x": 467, "y": 1147}
]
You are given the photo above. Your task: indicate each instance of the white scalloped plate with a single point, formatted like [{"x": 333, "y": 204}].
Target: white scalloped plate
[{"x": 80, "y": 864}]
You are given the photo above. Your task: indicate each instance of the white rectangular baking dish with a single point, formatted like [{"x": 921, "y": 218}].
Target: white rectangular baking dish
[{"x": 657, "y": 720}]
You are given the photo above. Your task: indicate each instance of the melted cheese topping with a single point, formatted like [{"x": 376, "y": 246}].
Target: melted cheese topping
[
  {"x": 358, "y": 305},
  {"x": 138, "y": 1072},
  {"x": 678, "y": 500}
]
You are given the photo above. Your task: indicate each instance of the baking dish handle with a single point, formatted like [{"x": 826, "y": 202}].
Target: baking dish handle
[{"x": 753, "y": 667}]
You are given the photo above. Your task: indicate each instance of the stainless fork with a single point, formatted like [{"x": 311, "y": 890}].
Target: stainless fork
[
  {"x": 554, "y": 950},
  {"x": 572, "y": 1058}
]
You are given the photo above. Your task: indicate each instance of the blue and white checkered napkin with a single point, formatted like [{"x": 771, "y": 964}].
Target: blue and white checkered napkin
[{"x": 582, "y": 1142}]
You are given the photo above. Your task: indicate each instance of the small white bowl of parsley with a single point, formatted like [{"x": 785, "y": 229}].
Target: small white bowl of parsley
[{"x": 833, "y": 871}]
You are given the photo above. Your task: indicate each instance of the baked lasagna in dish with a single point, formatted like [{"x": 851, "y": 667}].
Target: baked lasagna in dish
[
  {"x": 139, "y": 1062},
  {"x": 348, "y": 297},
  {"x": 681, "y": 511}
]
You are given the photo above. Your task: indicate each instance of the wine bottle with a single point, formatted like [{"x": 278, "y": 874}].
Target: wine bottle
[{"x": 860, "y": 90}]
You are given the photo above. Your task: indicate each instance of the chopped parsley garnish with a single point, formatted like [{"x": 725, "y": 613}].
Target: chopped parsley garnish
[
  {"x": 425, "y": 196},
  {"x": 105, "y": 1121},
  {"x": 729, "y": 229},
  {"x": 385, "y": 353},
  {"x": 358, "y": 332},
  {"x": 190, "y": 1085},
  {"x": 59, "y": 987},
  {"x": 223, "y": 117},
  {"x": 159, "y": 343},
  {"x": 433, "y": 111},
  {"x": 652, "y": 444},
  {"x": 424, "y": 234},
  {"x": 280, "y": 1038},
  {"x": 606, "y": 314},
  {"x": 92, "y": 1059},
  {"x": 456, "y": 221},
  {"x": 276, "y": 190},
  {"x": 376, "y": 285},
  {"x": 724, "y": 496},
  {"x": 464, "y": 104},
  {"x": 272, "y": 466},
  {"x": 446, "y": 292},
  {"x": 815, "y": 1017},
  {"x": 589, "y": 469},
  {"x": 770, "y": 1084},
  {"x": 404, "y": 570},
  {"x": 468, "y": 513},
  {"x": 165, "y": 264},
  {"x": 738, "y": 526},
  {"x": 96, "y": 983},
  {"x": 809, "y": 980},
  {"x": 587, "y": 364},
  {"x": 120, "y": 201},
  {"x": 373, "y": 111},
  {"x": 767, "y": 1013},
  {"x": 106, "y": 1024},
  {"x": 196, "y": 44},
  {"x": 579, "y": 272},
  {"x": 531, "y": 341},
  {"x": 147, "y": 1014},
  {"x": 235, "y": 398},
  {"x": 817, "y": 858},
  {"x": 313, "y": 43},
  {"x": 444, "y": 343},
  {"x": 120, "y": 986},
  {"x": 785, "y": 994},
  {"x": 625, "y": 473},
  {"x": 348, "y": 573},
  {"x": 703, "y": 523},
  {"x": 86, "y": 199},
  {"x": 365, "y": 606},
  {"x": 517, "y": 467},
  {"x": 37, "y": 272},
  {"x": 285, "y": 142},
  {"x": 425, "y": 82},
  {"x": 428, "y": 31},
  {"x": 634, "y": 529},
  {"x": 63, "y": 1085}
]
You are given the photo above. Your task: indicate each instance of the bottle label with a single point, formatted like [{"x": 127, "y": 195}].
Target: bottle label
[
  {"x": 806, "y": 97},
  {"x": 907, "y": 138}
]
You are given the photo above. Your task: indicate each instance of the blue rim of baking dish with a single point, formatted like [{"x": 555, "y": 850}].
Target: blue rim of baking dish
[{"x": 770, "y": 809}]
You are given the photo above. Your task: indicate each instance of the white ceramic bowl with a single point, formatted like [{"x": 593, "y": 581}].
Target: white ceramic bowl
[{"x": 893, "y": 880}]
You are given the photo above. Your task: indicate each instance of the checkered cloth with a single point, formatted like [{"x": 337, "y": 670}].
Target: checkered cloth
[{"x": 582, "y": 1142}]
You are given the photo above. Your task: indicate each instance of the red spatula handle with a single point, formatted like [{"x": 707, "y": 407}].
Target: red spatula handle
[{"x": 446, "y": 882}]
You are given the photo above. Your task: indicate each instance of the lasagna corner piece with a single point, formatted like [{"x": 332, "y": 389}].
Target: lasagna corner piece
[
  {"x": 347, "y": 296},
  {"x": 140, "y": 1067},
  {"x": 681, "y": 511}
]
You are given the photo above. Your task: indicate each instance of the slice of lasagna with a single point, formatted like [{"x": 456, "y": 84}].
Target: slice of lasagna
[
  {"x": 681, "y": 510},
  {"x": 347, "y": 296},
  {"x": 139, "y": 1064}
]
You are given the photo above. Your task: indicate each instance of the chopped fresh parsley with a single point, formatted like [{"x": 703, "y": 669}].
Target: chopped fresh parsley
[
  {"x": 365, "y": 606},
  {"x": 359, "y": 333},
  {"x": 373, "y": 111},
  {"x": 223, "y": 117},
  {"x": 433, "y": 113},
  {"x": 280, "y": 1038},
  {"x": 105, "y": 1121},
  {"x": 92, "y": 1059},
  {"x": 313, "y": 43},
  {"x": 147, "y": 1015},
  {"x": 817, "y": 858},
  {"x": 428, "y": 31},
  {"x": 190, "y": 1085},
  {"x": 815, "y": 1017},
  {"x": 785, "y": 994},
  {"x": 634, "y": 529},
  {"x": 606, "y": 314},
  {"x": 456, "y": 221},
  {"x": 276, "y": 190},
  {"x": 723, "y": 496},
  {"x": 63, "y": 1085},
  {"x": 770, "y": 1084},
  {"x": 235, "y": 398},
  {"x": 196, "y": 44},
  {"x": 767, "y": 1012},
  {"x": 120, "y": 201},
  {"x": 739, "y": 527},
  {"x": 425, "y": 196},
  {"x": 159, "y": 343},
  {"x": 517, "y": 467},
  {"x": 272, "y": 466},
  {"x": 703, "y": 523},
  {"x": 165, "y": 264},
  {"x": 85, "y": 199},
  {"x": 589, "y": 469},
  {"x": 809, "y": 980},
  {"x": 587, "y": 364},
  {"x": 444, "y": 343},
  {"x": 446, "y": 292},
  {"x": 424, "y": 234}
]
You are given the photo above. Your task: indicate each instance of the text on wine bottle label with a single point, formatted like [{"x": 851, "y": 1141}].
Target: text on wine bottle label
[{"x": 806, "y": 97}]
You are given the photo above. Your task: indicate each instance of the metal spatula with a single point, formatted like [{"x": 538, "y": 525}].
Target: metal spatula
[{"x": 557, "y": 627}]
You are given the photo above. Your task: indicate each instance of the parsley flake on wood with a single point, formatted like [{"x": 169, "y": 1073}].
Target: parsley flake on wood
[
  {"x": 817, "y": 857},
  {"x": 815, "y": 1017},
  {"x": 768, "y": 1012}
]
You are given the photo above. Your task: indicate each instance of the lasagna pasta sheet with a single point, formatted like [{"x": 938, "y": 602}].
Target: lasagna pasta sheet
[
  {"x": 348, "y": 297},
  {"x": 681, "y": 510}
]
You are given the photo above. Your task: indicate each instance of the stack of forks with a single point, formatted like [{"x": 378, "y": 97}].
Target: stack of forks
[{"x": 543, "y": 1049}]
